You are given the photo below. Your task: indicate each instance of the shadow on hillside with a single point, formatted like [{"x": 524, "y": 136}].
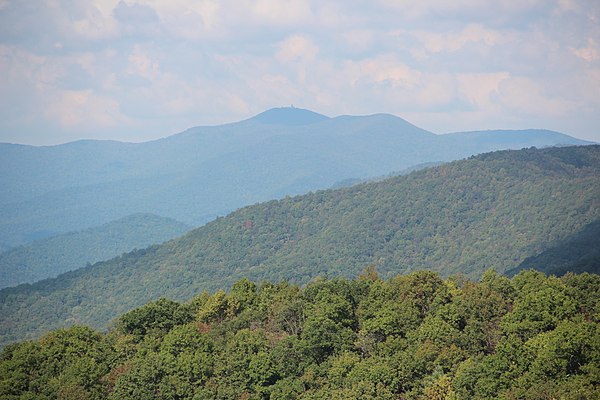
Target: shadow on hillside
[{"x": 579, "y": 253}]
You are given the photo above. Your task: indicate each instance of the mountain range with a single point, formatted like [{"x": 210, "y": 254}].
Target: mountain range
[
  {"x": 494, "y": 210},
  {"x": 208, "y": 171}
]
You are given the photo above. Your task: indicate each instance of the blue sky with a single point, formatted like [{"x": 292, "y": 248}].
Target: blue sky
[{"x": 135, "y": 71}]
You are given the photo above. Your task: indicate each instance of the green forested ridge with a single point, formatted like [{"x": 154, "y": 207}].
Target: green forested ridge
[
  {"x": 52, "y": 256},
  {"x": 208, "y": 171},
  {"x": 490, "y": 211},
  {"x": 412, "y": 336}
]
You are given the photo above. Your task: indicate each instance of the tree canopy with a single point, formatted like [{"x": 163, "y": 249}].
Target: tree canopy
[{"x": 414, "y": 336}]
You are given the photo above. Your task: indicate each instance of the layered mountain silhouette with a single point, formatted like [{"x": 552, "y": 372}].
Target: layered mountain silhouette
[
  {"x": 493, "y": 210},
  {"x": 204, "y": 172}
]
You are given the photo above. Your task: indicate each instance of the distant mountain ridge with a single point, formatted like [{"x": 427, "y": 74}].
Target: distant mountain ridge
[
  {"x": 49, "y": 257},
  {"x": 204, "y": 172},
  {"x": 489, "y": 211}
]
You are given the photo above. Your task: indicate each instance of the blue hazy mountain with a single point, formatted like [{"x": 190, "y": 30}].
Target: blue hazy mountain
[
  {"x": 289, "y": 116},
  {"x": 49, "y": 257},
  {"x": 208, "y": 171}
]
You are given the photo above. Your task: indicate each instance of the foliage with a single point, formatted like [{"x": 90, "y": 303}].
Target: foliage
[
  {"x": 578, "y": 253},
  {"x": 158, "y": 317},
  {"x": 528, "y": 337},
  {"x": 492, "y": 210}
]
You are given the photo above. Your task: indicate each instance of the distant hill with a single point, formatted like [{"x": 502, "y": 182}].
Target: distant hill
[
  {"x": 514, "y": 139},
  {"x": 490, "y": 211},
  {"x": 49, "y": 257},
  {"x": 204, "y": 172}
]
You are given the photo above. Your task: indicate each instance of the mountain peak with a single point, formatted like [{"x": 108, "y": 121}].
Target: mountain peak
[{"x": 288, "y": 116}]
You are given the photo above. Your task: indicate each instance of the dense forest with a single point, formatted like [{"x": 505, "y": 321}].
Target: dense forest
[
  {"x": 490, "y": 211},
  {"x": 579, "y": 253},
  {"x": 52, "y": 256},
  {"x": 412, "y": 336}
]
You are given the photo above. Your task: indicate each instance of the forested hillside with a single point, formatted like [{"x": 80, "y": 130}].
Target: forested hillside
[
  {"x": 489, "y": 211},
  {"x": 412, "y": 336},
  {"x": 52, "y": 256},
  {"x": 208, "y": 171},
  {"x": 578, "y": 253}
]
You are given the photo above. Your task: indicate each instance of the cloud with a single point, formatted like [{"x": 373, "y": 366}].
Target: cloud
[
  {"x": 297, "y": 48},
  {"x": 500, "y": 12},
  {"x": 589, "y": 53},
  {"x": 142, "y": 65},
  {"x": 435, "y": 42},
  {"x": 91, "y": 24},
  {"x": 149, "y": 68},
  {"x": 191, "y": 20},
  {"x": 480, "y": 89},
  {"x": 136, "y": 19},
  {"x": 78, "y": 108},
  {"x": 282, "y": 12},
  {"x": 385, "y": 70},
  {"x": 525, "y": 96},
  {"x": 134, "y": 13}
]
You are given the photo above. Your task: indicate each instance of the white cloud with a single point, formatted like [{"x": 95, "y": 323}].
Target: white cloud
[
  {"x": 95, "y": 27},
  {"x": 358, "y": 39},
  {"x": 525, "y": 96},
  {"x": 87, "y": 61},
  {"x": 584, "y": 88},
  {"x": 282, "y": 12},
  {"x": 297, "y": 48},
  {"x": 464, "y": 9},
  {"x": 566, "y": 6},
  {"x": 481, "y": 89},
  {"x": 191, "y": 20},
  {"x": 76, "y": 109},
  {"x": 589, "y": 53},
  {"x": 142, "y": 64},
  {"x": 385, "y": 84},
  {"x": 436, "y": 42}
]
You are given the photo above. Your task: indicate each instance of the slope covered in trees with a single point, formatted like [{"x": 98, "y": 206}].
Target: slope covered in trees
[
  {"x": 578, "y": 253},
  {"x": 490, "y": 211},
  {"x": 409, "y": 337},
  {"x": 208, "y": 171},
  {"x": 55, "y": 255}
]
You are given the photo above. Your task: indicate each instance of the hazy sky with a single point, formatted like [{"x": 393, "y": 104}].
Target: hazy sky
[{"x": 139, "y": 70}]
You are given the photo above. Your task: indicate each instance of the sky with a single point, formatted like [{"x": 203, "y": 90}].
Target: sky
[{"x": 141, "y": 70}]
